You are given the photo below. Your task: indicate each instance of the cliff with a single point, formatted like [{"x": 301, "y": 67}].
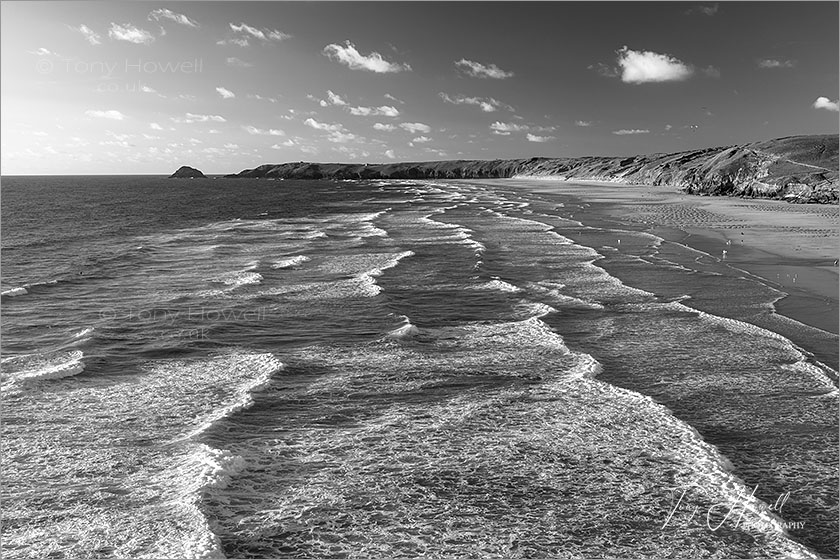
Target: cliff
[
  {"x": 185, "y": 172},
  {"x": 796, "y": 168}
]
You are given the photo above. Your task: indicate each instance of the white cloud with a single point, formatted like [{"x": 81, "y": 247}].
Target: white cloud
[
  {"x": 238, "y": 41},
  {"x": 384, "y": 127},
  {"x": 825, "y": 103},
  {"x": 225, "y": 93},
  {"x": 487, "y": 104},
  {"x": 261, "y": 98},
  {"x": 422, "y": 139},
  {"x": 383, "y": 111},
  {"x": 262, "y": 131},
  {"x": 335, "y": 99},
  {"x": 668, "y": 127},
  {"x": 341, "y": 137},
  {"x": 504, "y": 129},
  {"x": 190, "y": 118},
  {"x": 130, "y": 34},
  {"x": 41, "y": 52},
  {"x": 625, "y": 131},
  {"x": 233, "y": 61},
  {"x": 583, "y": 123},
  {"x": 266, "y": 35},
  {"x": 111, "y": 114},
  {"x": 392, "y": 98},
  {"x": 535, "y": 138},
  {"x": 308, "y": 150},
  {"x": 180, "y": 19},
  {"x": 773, "y": 63},
  {"x": 322, "y": 126},
  {"x": 147, "y": 89},
  {"x": 415, "y": 127},
  {"x": 478, "y": 70},
  {"x": 231, "y": 146},
  {"x": 155, "y": 126},
  {"x": 337, "y": 132},
  {"x": 639, "y": 67},
  {"x": 92, "y": 37},
  {"x": 389, "y": 154},
  {"x": 349, "y": 56}
]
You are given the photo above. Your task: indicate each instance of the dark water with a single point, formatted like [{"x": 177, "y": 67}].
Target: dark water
[{"x": 312, "y": 369}]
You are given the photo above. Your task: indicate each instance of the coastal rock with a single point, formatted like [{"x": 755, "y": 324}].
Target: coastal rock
[
  {"x": 796, "y": 168},
  {"x": 185, "y": 172}
]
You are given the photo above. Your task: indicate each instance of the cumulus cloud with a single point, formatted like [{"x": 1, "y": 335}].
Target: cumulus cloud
[
  {"x": 487, "y": 104},
  {"x": 583, "y": 123},
  {"x": 414, "y": 128},
  {"x": 180, "y": 19},
  {"x": 110, "y": 114},
  {"x": 310, "y": 122},
  {"x": 155, "y": 126},
  {"x": 41, "y": 52},
  {"x": 337, "y": 132},
  {"x": 421, "y": 139},
  {"x": 384, "y": 127},
  {"x": 638, "y": 67},
  {"x": 262, "y": 131},
  {"x": 478, "y": 70},
  {"x": 392, "y": 98},
  {"x": 92, "y": 37},
  {"x": 147, "y": 89},
  {"x": 504, "y": 129},
  {"x": 825, "y": 103},
  {"x": 383, "y": 111},
  {"x": 389, "y": 154},
  {"x": 265, "y": 35},
  {"x": 130, "y": 33},
  {"x": 190, "y": 118},
  {"x": 234, "y": 61},
  {"x": 773, "y": 63},
  {"x": 626, "y": 131},
  {"x": 352, "y": 58},
  {"x": 535, "y": 138},
  {"x": 335, "y": 99},
  {"x": 225, "y": 93}
]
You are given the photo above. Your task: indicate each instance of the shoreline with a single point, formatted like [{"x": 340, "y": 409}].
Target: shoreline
[{"x": 788, "y": 248}]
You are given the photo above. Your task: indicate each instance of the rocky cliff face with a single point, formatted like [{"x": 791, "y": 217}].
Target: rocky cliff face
[
  {"x": 796, "y": 168},
  {"x": 185, "y": 172}
]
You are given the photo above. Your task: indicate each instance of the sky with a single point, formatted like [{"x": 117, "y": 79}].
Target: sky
[{"x": 145, "y": 87}]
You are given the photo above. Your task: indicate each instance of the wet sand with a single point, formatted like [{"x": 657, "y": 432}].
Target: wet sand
[{"x": 791, "y": 247}]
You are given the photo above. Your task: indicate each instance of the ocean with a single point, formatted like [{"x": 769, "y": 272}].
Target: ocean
[{"x": 312, "y": 369}]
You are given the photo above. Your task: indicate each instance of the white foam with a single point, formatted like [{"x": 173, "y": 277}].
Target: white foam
[
  {"x": 498, "y": 284},
  {"x": 290, "y": 262},
  {"x": 29, "y": 368},
  {"x": 13, "y": 292},
  {"x": 406, "y": 330}
]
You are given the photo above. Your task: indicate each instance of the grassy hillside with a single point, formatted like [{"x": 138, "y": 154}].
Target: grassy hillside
[{"x": 796, "y": 168}]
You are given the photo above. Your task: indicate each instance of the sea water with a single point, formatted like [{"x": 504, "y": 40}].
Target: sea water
[{"x": 253, "y": 368}]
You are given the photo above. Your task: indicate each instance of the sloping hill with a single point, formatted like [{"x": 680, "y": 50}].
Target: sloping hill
[{"x": 796, "y": 168}]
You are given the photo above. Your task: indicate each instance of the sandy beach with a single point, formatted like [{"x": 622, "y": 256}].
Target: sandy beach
[{"x": 790, "y": 247}]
